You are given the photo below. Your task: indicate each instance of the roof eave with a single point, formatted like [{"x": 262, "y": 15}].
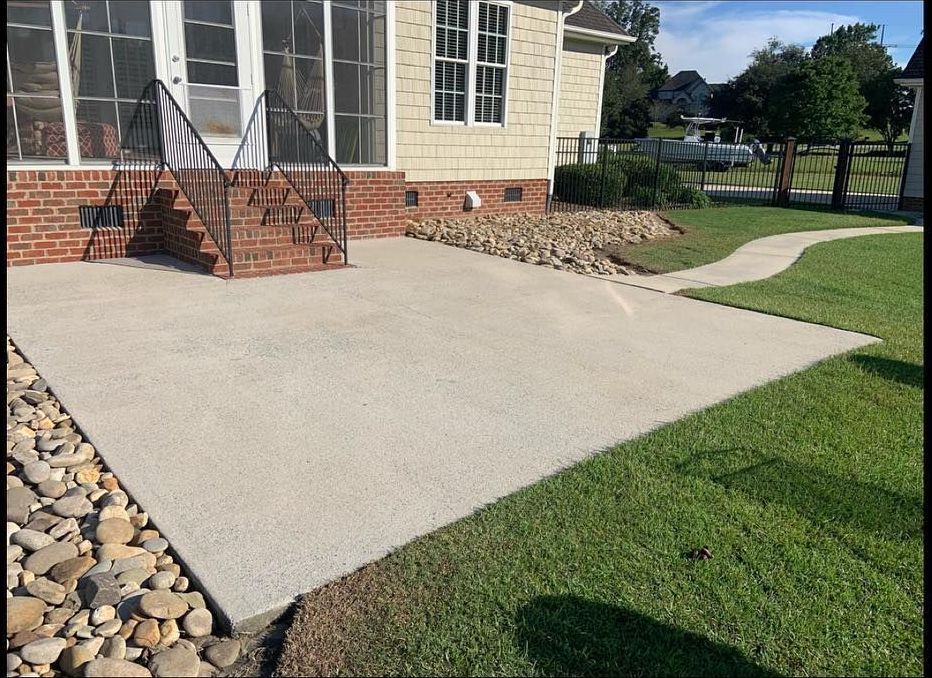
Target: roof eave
[
  {"x": 590, "y": 35},
  {"x": 909, "y": 82}
]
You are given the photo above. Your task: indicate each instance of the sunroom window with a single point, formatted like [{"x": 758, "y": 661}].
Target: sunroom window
[
  {"x": 111, "y": 61},
  {"x": 293, "y": 51},
  {"x": 34, "y": 124},
  {"x": 359, "y": 81}
]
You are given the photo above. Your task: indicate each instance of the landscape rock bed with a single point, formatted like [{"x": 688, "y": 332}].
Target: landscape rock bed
[
  {"x": 585, "y": 242},
  {"x": 91, "y": 589}
]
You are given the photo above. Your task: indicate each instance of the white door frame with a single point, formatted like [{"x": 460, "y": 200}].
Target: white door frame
[{"x": 167, "y": 23}]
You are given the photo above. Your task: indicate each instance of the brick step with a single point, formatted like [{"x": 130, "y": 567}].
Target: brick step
[
  {"x": 263, "y": 272},
  {"x": 266, "y": 260}
]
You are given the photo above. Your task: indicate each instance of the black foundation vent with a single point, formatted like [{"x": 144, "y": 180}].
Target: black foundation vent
[
  {"x": 514, "y": 194},
  {"x": 410, "y": 198},
  {"x": 101, "y": 216}
]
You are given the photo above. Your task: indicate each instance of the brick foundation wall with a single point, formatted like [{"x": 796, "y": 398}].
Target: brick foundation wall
[
  {"x": 912, "y": 204},
  {"x": 447, "y": 198},
  {"x": 43, "y": 223},
  {"x": 375, "y": 204}
]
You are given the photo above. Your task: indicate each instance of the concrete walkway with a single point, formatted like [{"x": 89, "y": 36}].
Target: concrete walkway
[
  {"x": 282, "y": 432},
  {"x": 756, "y": 260}
]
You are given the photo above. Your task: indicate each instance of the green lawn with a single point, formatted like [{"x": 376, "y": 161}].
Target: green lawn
[
  {"x": 808, "y": 491},
  {"x": 869, "y": 174},
  {"x": 714, "y": 233},
  {"x": 660, "y": 130}
]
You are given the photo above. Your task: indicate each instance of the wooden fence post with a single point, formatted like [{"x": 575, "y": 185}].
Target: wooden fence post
[{"x": 786, "y": 172}]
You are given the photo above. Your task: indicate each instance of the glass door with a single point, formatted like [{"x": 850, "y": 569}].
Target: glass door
[{"x": 212, "y": 69}]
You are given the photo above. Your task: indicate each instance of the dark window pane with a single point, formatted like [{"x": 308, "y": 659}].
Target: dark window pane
[
  {"x": 94, "y": 74},
  {"x": 347, "y": 139},
  {"x": 139, "y": 129},
  {"x": 32, "y": 61},
  {"x": 309, "y": 77},
  {"x": 98, "y": 134},
  {"x": 372, "y": 90},
  {"x": 32, "y": 12},
  {"x": 276, "y": 26},
  {"x": 88, "y": 15},
  {"x": 130, "y": 17},
  {"x": 279, "y": 76},
  {"x": 345, "y": 34},
  {"x": 210, "y": 42},
  {"x": 309, "y": 29},
  {"x": 211, "y": 74},
  {"x": 346, "y": 88},
  {"x": 41, "y": 130},
  {"x": 214, "y": 11},
  {"x": 133, "y": 66},
  {"x": 12, "y": 145},
  {"x": 372, "y": 141},
  {"x": 317, "y": 123}
]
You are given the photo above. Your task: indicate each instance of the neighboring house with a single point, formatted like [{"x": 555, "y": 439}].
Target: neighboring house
[
  {"x": 912, "y": 77},
  {"x": 686, "y": 92},
  {"x": 427, "y": 108}
]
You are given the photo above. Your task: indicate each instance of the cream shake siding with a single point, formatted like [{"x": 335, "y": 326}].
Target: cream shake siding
[
  {"x": 580, "y": 83},
  {"x": 428, "y": 151},
  {"x": 913, "y": 185}
]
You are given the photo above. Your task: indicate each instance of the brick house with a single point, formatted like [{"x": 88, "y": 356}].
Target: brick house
[
  {"x": 913, "y": 77},
  {"x": 259, "y": 136}
]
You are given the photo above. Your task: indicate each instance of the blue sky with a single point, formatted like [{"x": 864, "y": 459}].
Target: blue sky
[{"x": 716, "y": 37}]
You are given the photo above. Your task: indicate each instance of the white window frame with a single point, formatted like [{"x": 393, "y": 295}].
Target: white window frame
[{"x": 472, "y": 65}]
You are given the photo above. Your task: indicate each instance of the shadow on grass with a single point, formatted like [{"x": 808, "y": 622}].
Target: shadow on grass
[
  {"x": 903, "y": 372},
  {"x": 570, "y": 636},
  {"x": 826, "y": 498}
]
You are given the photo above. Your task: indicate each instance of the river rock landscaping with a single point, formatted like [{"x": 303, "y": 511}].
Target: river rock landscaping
[
  {"x": 91, "y": 588},
  {"x": 583, "y": 242}
]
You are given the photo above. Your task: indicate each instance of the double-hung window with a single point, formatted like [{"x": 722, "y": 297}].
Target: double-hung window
[{"x": 470, "y": 61}]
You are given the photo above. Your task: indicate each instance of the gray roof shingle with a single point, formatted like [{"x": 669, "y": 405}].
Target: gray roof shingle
[
  {"x": 914, "y": 69},
  {"x": 591, "y": 18}
]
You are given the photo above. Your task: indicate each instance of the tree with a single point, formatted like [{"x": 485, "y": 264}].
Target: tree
[
  {"x": 748, "y": 96},
  {"x": 625, "y": 104},
  {"x": 857, "y": 44},
  {"x": 819, "y": 101},
  {"x": 889, "y": 106},
  {"x": 634, "y": 71}
]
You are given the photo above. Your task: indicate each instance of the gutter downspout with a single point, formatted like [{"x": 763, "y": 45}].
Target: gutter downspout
[
  {"x": 555, "y": 100},
  {"x": 598, "y": 113}
]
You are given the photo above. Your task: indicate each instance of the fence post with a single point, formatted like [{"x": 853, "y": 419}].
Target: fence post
[
  {"x": 705, "y": 159},
  {"x": 785, "y": 178},
  {"x": 899, "y": 198},
  {"x": 582, "y": 152},
  {"x": 842, "y": 166},
  {"x": 602, "y": 182},
  {"x": 653, "y": 204}
]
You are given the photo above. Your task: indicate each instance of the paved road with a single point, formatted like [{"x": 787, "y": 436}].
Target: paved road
[{"x": 284, "y": 431}]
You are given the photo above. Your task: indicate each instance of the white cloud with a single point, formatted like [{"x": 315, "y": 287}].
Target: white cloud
[{"x": 718, "y": 44}]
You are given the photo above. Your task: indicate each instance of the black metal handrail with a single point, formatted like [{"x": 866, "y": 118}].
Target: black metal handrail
[
  {"x": 294, "y": 148},
  {"x": 161, "y": 130}
]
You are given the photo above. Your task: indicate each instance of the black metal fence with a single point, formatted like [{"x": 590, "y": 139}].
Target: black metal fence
[
  {"x": 658, "y": 173},
  {"x": 160, "y": 132},
  {"x": 304, "y": 162}
]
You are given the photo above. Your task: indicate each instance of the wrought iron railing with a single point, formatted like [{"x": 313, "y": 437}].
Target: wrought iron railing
[
  {"x": 160, "y": 131},
  {"x": 304, "y": 162}
]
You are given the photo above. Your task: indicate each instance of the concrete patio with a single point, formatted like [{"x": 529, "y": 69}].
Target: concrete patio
[{"x": 284, "y": 431}]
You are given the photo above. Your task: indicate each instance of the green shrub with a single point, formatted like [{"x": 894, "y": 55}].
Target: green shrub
[{"x": 618, "y": 180}]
